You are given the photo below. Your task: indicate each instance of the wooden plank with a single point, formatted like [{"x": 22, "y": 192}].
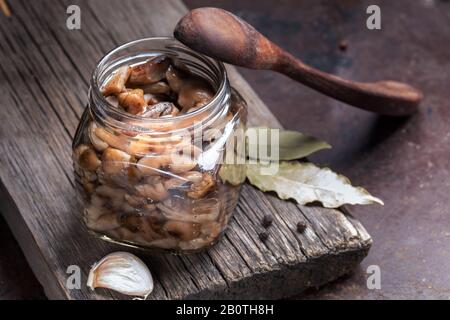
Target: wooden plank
[{"x": 44, "y": 76}]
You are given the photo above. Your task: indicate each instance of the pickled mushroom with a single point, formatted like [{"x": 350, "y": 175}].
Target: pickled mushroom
[
  {"x": 88, "y": 160},
  {"x": 132, "y": 101},
  {"x": 161, "y": 109},
  {"x": 117, "y": 81},
  {"x": 176, "y": 77},
  {"x": 200, "y": 189},
  {"x": 115, "y": 160},
  {"x": 160, "y": 87},
  {"x": 195, "y": 92},
  {"x": 151, "y": 71}
]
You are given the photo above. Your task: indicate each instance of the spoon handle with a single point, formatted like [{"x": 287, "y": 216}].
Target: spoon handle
[
  {"x": 384, "y": 97},
  {"x": 224, "y": 36}
]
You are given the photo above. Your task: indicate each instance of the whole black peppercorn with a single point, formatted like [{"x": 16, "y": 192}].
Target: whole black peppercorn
[
  {"x": 301, "y": 226},
  {"x": 263, "y": 236},
  {"x": 343, "y": 45},
  {"x": 267, "y": 221}
]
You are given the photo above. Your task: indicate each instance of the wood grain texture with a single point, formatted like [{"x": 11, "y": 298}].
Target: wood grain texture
[{"x": 44, "y": 76}]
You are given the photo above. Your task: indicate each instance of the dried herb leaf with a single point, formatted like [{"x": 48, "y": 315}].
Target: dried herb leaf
[
  {"x": 234, "y": 174},
  {"x": 292, "y": 144},
  {"x": 306, "y": 183}
]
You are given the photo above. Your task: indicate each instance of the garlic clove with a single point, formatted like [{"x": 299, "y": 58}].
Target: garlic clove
[{"x": 122, "y": 272}]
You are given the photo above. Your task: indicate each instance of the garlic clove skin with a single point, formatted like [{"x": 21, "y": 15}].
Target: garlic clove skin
[{"x": 122, "y": 272}]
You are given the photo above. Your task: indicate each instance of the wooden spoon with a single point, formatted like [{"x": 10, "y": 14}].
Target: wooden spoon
[{"x": 223, "y": 36}]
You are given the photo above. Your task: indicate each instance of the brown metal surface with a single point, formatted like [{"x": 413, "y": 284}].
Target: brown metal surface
[{"x": 404, "y": 161}]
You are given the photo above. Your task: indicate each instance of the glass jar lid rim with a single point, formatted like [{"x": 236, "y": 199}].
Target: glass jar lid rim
[{"x": 95, "y": 85}]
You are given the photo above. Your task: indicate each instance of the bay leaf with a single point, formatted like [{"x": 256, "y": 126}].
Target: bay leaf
[
  {"x": 234, "y": 174},
  {"x": 291, "y": 144},
  {"x": 306, "y": 183}
]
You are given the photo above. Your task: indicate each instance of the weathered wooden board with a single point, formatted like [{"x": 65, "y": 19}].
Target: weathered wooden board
[{"x": 44, "y": 73}]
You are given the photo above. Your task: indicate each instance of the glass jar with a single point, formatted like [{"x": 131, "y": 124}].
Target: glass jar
[{"x": 155, "y": 183}]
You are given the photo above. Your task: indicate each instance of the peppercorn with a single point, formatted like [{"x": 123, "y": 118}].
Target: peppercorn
[
  {"x": 343, "y": 45},
  {"x": 267, "y": 221},
  {"x": 301, "y": 226},
  {"x": 263, "y": 236}
]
